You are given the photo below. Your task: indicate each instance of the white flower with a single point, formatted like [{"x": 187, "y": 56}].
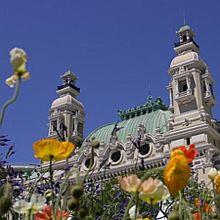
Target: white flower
[
  {"x": 212, "y": 173},
  {"x": 132, "y": 212},
  {"x": 18, "y": 60},
  {"x": 23, "y": 207},
  {"x": 11, "y": 81}
]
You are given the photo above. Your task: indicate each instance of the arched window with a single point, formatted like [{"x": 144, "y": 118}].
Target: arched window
[
  {"x": 89, "y": 163},
  {"x": 116, "y": 156},
  {"x": 144, "y": 149}
]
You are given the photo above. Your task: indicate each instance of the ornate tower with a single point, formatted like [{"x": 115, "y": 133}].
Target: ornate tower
[
  {"x": 66, "y": 115},
  {"x": 191, "y": 102},
  {"x": 191, "y": 93}
]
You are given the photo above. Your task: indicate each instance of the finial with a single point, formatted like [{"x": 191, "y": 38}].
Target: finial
[
  {"x": 70, "y": 68},
  {"x": 149, "y": 90},
  {"x": 184, "y": 18}
]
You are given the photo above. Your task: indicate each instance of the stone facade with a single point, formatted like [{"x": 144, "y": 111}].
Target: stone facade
[{"x": 147, "y": 133}]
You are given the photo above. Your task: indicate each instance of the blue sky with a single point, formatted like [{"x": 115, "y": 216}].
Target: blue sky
[{"x": 118, "y": 49}]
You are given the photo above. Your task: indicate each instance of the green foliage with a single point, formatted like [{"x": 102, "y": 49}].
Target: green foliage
[{"x": 108, "y": 201}]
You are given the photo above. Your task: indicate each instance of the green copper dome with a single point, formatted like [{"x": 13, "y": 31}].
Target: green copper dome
[{"x": 151, "y": 121}]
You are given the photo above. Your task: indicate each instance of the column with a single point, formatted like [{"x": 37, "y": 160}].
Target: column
[
  {"x": 177, "y": 88},
  {"x": 188, "y": 82},
  {"x": 207, "y": 88},
  {"x": 171, "y": 97},
  {"x": 75, "y": 121}
]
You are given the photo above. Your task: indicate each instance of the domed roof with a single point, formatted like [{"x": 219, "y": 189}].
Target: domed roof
[
  {"x": 64, "y": 100},
  {"x": 184, "y": 58},
  {"x": 151, "y": 121}
]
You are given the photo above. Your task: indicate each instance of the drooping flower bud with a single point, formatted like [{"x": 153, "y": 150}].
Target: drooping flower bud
[
  {"x": 83, "y": 212},
  {"x": 48, "y": 194},
  {"x": 174, "y": 216},
  {"x": 5, "y": 205},
  {"x": 6, "y": 190},
  {"x": 76, "y": 191},
  {"x": 72, "y": 203}
]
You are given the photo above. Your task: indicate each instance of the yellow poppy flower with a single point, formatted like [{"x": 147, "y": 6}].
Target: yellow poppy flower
[
  {"x": 176, "y": 173},
  {"x": 48, "y": 148},
  {"x": 217, "y": 183}
]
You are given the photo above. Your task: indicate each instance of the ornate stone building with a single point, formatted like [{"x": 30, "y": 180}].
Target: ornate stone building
[
  {"x": 147, "y": 133},
  {"x": 66, "y": 119}
]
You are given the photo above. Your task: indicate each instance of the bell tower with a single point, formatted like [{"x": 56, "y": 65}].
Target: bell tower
[
  {"x": 191, "y": 103},
  {"x": 190, "y": 88},
  {"x": 66, "y": 115}
]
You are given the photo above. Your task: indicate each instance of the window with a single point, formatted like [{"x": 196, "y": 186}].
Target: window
[
  {"x": 53, "y": 126},
  {"x": 116, "y": 156},
  {"x": 184, "y": 38},
  {"x": 204, "y": 87},
  {"x": 89, "y": 163},
  {"x": 188, "y": 141},
  {"x": 144, "y": 149},
  {"x": 182, "y": 86},
  {"x": 80, "y": 128},
  {"x": 211, "y": 89}
]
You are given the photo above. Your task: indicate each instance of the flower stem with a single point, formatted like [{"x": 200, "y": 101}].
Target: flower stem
[
  {"x": 151, "y": 208},
  {"x": 214, "y": 194},
  {"x": 180, "y": 206},
  {"x": 28, "y": 216},
  {"x": 51, "y": 186},
  {"x": 136, "y": 204},
  {"x": 10, "y": 101}
]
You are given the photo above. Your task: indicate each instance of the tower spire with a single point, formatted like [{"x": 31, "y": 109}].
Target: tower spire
[
  {"x": 67, "y": 111},
  {"x": 184, "y": 18}
]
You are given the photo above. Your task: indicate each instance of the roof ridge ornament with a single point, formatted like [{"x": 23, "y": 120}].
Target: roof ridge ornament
[{"x": 150, "y": 106}]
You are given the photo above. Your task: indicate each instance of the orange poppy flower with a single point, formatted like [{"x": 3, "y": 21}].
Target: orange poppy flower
[
  {"x": 190, "y": 153},
  {"x": 197, "y": 216},
  {"x": 47, "y": 214},
  {"x": 49, "y": 148},
  {"x": 205, "y": 206},
  {"x": 177, "y": 173}
]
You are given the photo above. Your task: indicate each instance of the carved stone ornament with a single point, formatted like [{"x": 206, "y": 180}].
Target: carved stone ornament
[
  {"x": 141, "y": 130},
  {"x": 209, "y": 153}
]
